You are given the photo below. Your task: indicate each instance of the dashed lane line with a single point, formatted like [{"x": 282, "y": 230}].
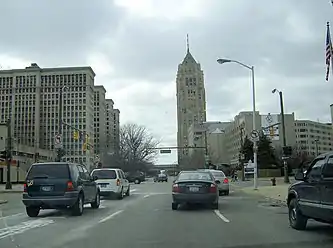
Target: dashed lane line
[{"x": 221, "y": 216}]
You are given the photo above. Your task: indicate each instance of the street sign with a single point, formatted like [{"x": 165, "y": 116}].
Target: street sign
[
  {"x": 57, "y": 141},
  {"x": 255, "y": 135},
  {"x": 165, "y": 151}
]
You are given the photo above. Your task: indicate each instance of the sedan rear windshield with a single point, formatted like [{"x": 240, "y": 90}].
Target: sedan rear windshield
[
  {"x": 49, "y": 171},
  {"x": 218, "y": 174},
  {"x": 105, "y": 174},
  {"x": 194, "y": 176}
]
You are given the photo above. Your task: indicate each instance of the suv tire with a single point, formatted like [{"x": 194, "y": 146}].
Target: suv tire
[
  {"x": 32, "y": 211},
  {"x": 296, "y": 219},
  {"x": 97, "y": 202},
  {"x": 77, "y": 209}
]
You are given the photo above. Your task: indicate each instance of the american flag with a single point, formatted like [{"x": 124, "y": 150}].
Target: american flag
[{"x": 328, "y": 51}]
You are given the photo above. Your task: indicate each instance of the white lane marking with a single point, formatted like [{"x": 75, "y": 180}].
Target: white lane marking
[
  {"x": 10, "y": 216},
  {"x": 221, "y": 216},
  {"x": 146, "y": 196},
  {"x": 133, "y": 190},
  {"x": 111, "y": 216},
  {"x": 23, "y": 227}
]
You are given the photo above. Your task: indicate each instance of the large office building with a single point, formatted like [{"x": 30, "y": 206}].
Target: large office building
[
  {"x": 191, "y": 101},
  {"x": 313, "y": 137},
  {"x": 31, "y": 98},
  {"x": 100, "y": 112},
  {"x": 112, "y": 127}
]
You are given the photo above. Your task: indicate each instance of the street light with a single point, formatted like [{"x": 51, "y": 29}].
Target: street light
[
  {"x": 285, "y": 164},
  {"x": 251, "y": 68},
  {"x": 61, "y": 91}
]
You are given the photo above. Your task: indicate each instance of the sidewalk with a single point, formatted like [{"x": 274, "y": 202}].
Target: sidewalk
[
  {"x": 16, "y": 188},
  {"x": 276, "y": 193}
]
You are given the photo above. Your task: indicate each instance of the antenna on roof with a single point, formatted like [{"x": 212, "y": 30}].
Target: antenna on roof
[{"x": 187, "y": 43}]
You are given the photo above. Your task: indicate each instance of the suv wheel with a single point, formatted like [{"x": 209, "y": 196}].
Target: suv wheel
[
  {"x": 32, "y": 211},
  {"x": 77, "y": 209},
  {"x": 296, "y": 219},
  {"x": 97, "y": 201},
  {"x": 128, "y": 191},
  {"x": 174, "y": 206},
  {"x": 121, "y": 194}
]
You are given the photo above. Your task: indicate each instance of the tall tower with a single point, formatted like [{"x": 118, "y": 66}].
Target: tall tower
[{"x": 191, "y": 100}]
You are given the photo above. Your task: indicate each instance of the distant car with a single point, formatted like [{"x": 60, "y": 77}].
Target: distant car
[
  {"x": 59, "y": 185},
  {"x": 111, "y": 182},
  {"x": 195, "y": 187},
  {"x": 221, "y": 180},
  {"x": 136, "y": 177},
  {"x": 161, "y": 178}
]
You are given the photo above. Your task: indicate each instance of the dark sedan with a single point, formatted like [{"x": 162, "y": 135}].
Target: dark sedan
[{"x": 195, "y": 187}]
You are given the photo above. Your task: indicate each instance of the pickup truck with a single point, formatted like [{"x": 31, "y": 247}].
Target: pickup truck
[{"x": 312, "y": 196}]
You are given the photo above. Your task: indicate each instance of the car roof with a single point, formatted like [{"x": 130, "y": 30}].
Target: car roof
[{"x": 98, "y": 169}]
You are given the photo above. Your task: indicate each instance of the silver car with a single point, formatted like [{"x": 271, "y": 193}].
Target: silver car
[{"x": 223, "y": 186}]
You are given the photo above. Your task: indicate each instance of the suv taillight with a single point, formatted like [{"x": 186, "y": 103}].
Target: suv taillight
[
  {"x": 25, "y": 187},
  {"x": 118, "y": 182},
  {"x": 212, "y": 188},
  {"x": 226, "y": 180},
  {"x": 70, "y": 186},
  {"x": 175, "y": 188}
]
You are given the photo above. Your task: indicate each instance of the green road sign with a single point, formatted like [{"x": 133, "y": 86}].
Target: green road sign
[{"x": 165, "y": 151}]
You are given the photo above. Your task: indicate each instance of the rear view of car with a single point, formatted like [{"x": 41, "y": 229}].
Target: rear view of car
[
  {"x": 161, "y": 178},
  {"x": 195, "y": 187},
  {"x": 59, "y": 186},
  {"x": 222, "y": 181},
  {"x": 111, "y": 182}
]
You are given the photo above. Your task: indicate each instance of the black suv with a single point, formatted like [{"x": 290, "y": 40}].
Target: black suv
[
  {"x": 312, "y": 197},
  {"x": 59, "y": 185}
]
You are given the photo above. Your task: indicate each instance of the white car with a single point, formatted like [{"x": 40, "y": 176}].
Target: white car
[{"x": 111, "y": 182}]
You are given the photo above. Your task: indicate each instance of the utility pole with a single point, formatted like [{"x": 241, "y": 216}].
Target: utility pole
[
  {"x": 59, "y": 149},
  {"x": 241, "y": 155},
  {"x": 9, "y": 154},
  {"x": 285, "y": 164},
  {"x": 316, "y": 142},
  {"x": 206, "y": 149}
]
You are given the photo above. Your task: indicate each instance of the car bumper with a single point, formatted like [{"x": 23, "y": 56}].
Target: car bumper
[
  {"x": 194, "y": 198},
  {"x": 223, "y": 187},
  {"x": 50, "y": 202}
]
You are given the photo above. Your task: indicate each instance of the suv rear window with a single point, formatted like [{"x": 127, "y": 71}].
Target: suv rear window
[
  {"x": 218, "y": 174},
  {"x": 48, "y": 171},
  {"x": 105, "y": 174}
]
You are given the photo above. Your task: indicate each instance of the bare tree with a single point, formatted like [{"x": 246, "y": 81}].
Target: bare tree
[{"x": 136, "y": 148}]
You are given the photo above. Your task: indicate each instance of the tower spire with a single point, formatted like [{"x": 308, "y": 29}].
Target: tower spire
[{"x": 187, "y": 43}]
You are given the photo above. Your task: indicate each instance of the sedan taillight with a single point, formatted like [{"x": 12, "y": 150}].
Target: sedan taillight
[
  {"x": 213, "y": 188},
  {"x": 175, "y": 188},
  {"x": 226, "y": 180},
  {"x": 25, "y": 187}
]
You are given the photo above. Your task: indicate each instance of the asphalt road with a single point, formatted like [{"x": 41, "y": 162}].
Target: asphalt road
[{"x": 145, "y": 220}]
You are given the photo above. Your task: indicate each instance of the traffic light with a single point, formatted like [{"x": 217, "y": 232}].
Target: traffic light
[{"x": 287, "y": 151}]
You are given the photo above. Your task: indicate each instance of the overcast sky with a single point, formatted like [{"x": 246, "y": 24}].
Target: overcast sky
[{"x": 135, "y": 46}]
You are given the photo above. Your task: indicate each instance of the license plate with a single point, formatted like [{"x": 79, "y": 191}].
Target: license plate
[
  {"x": 103, "y": 185},
  {"x": 194, "y": 189},
  {"x": 47, "y": 188}
]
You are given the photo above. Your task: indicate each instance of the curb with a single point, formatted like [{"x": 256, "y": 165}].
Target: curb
[
  {"x": 10, "y": 191},
  {"x": 3, "y": 202}
]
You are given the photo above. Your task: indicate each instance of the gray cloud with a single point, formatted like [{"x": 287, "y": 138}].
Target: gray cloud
[{"x": 55, "y": 32}]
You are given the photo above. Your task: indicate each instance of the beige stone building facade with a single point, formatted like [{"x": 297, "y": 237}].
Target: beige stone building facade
[{"x": 191, "y": 102}]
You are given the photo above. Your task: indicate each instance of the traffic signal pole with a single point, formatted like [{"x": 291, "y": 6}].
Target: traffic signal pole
[{"x": 9, "y": 154}]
